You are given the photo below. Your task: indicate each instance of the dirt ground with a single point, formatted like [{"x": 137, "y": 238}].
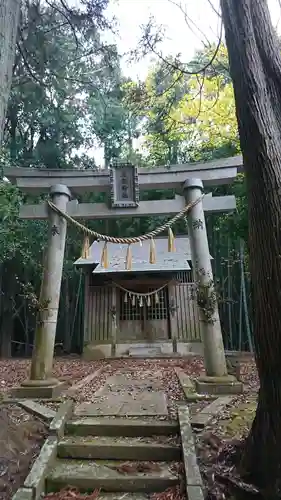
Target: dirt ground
[
  {"x": 219, "y": 445},
  {"x": 21, "y": 434},
  {"x": 71, "y": 369}
]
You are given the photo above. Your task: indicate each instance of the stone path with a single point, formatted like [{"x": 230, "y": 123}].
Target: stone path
[
  {"x": 122, "y": 443},
  {"x": 123, "y": 396},
  {"x": 110, "y": 444}
]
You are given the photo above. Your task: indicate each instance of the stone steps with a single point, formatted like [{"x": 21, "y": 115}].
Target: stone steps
[
  {"x": 134, "y": 427},
  {"x": 145, "y": 352},
  {"x": 124, "y": 458},
  {"x": 110, "y": 476},
  {"x": 110, "y": 448},
  {"x": 131, "y": 456}
]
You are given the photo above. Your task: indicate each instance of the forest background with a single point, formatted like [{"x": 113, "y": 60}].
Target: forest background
[{"x": 69, "y": 96}]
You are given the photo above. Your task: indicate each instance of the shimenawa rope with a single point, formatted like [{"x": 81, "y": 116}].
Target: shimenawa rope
[
  {"x": 137, "y": 294},
  {"x": 125, "y": 241}
]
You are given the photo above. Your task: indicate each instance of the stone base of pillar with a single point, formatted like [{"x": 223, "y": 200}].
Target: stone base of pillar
[
  {"x": 218, "y": 385},
  {"x": 39, "y": 389}
]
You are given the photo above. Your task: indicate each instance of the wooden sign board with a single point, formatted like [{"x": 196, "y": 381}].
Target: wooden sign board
[{"x": 124, "y": 185}]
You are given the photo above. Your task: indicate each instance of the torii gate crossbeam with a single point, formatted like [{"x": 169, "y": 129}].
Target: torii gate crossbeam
[{"x": 214, "y": 173}]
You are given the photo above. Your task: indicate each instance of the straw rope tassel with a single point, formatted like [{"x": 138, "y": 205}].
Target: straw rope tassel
[
  {"x": 171, "y": 240},
  {"x": 86, "y": 248},
  {"x": 104, "y": 256},
  {"x": 152, "y": 252},
  {"x": 129, "y": 258}
]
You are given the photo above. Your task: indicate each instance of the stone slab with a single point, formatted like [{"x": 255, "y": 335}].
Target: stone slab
[
  {"x": 109, "y": 476},
  {"x": 193, "y": 397},
  {"x": 129, "y": 382},
  {"x": 200, "y": 420},
  {"x": 86, "y": 380},
  {"x": 145, "y": 351},
  {"x": 192, "y": 472},
  {"x": 128, "y": 404},
  {"x": 64, "y": 412},
  {"x": 217, "y": 388},
  {"x": 92, "y": 353},
  {"x": 184, "y": 379},
  {"x": 87, "y": 426},
  {"x": 195, "y": 493},
  {"x": 217, "y": 406},
  {"x": 110, "y": 448},
  {"x": 36, "y": 478},
  {"x": 203, "y": 417},
  {"x": 39, "y": 392},
  {"x": 23, "y": 494},
  {"x": 37, "y": 409}
]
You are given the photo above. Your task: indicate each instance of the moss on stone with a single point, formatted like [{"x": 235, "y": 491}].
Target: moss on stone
[
  {"x": 240, "y": 420},
  {"x": 226, "y": 379}
]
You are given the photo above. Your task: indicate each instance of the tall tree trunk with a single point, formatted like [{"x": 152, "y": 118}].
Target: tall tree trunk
[
  {"x": 6, "y": 334},
  {"x": 9, "y": 20},
  {"x": 255, "y": 67}
]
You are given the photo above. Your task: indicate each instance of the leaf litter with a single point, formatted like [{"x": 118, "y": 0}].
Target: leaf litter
[
  {"x": 174, "y": 493},
  {"x": 21, "y": 436},
  {"x": 217, "y": 458},
  {"x": 220, "y": 445}
]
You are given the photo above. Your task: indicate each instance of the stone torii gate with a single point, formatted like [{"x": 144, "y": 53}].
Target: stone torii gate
[{"x": 124, "y": 183}]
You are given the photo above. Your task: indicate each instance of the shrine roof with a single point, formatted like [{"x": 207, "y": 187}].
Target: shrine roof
[{"x": 165, "y": 261}]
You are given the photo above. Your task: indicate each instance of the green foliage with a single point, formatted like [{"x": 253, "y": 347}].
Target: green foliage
[
  {"x": 192, "y": 118},
  {"x": 236, "y": 223},
  {"x": 68, "y": 97},
  {"x": 214, "y": 66},
  {"x": 65, "y": 92},
  {"x": 9, "y": 205}
]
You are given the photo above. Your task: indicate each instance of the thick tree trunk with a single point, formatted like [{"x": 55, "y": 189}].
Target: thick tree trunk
[
  {"x": 9, "y": 20},
  {"x": 255, "y": 67}
]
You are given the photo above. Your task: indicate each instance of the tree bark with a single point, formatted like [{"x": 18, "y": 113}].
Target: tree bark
[
  {"x": 6, "y": 334},
  {"x": 9, "y": 20},
  {"x": 255, "y": 67}
]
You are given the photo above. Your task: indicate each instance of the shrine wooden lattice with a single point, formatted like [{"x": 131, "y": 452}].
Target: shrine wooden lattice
[{"x": 137, "y": 323}]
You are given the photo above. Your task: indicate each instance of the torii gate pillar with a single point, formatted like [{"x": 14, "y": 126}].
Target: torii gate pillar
[
  {"x": 41, "y": 383},
  {"x": 216, "y": 380}
]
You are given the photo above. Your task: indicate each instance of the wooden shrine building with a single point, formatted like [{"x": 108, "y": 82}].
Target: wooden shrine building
[{"x": 150, "y": 306}]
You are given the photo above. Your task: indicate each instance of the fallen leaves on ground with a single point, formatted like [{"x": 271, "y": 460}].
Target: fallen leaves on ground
[
  {"x": 160, "y": 371},
  {"x": 218, "y": 469},
  {"x": 71, "y": 493},
  {"x": 215, "y": 463},
  {"x": 21, "y": 436},
  {"x": 70, "y": 369},
  {"x": 136, "y": 467},
  {"x": 220, "y": 445},
  {"x": 174, "y": 493}
]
